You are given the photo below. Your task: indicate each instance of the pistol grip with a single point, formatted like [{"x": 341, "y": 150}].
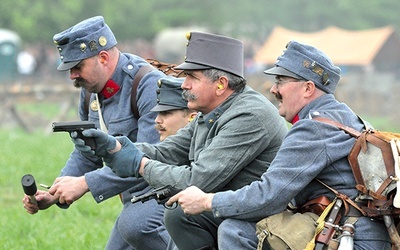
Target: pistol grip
[{"x": 89, "y": 141}]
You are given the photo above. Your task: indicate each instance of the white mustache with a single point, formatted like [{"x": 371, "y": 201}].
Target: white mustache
[{"x": 188, "y": 96}]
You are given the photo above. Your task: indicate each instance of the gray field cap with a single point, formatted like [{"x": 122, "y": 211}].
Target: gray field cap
[
  {"x": 169, "y": 94},
  {"x": 205, "y": 51},
  {"x": 302, "y": 61},
  {"x": 83, "y": 40}
]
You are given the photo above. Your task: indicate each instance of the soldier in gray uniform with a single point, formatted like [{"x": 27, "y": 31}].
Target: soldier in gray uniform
[
  {"x": 306, "y": 80},
  {"x": 88, "y": 50},
  {"x": 229, "y": 144}
]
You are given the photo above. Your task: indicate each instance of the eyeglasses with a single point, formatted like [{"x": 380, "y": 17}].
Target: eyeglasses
[{"x": 280, "y": 82}]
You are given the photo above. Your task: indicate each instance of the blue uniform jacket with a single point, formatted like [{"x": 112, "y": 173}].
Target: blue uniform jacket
[
  {"x": 311, "y": 149},
  {"x": 119, "y": 119}
]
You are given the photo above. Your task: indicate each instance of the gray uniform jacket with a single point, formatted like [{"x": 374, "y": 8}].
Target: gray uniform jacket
[
  {"x": 225, "y": 149},
  {"x": 310, "y": 150},
  {"x": 118, "y": 117}
]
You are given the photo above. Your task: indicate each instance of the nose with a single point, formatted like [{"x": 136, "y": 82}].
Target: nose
[
  {"x": 185, "y": 84},
  {"x": 73, "y": 74},
  {"x": 158, "y": 119},
  {"x": 273, "y": 89}
]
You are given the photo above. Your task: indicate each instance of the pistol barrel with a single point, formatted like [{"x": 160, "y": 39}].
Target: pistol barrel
[{"x": 72, "y": 126}]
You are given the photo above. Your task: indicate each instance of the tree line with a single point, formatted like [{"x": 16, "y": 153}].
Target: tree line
[{"x": 38, "y": 21}]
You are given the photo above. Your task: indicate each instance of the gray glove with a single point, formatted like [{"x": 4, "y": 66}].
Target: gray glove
[
  {"x": 126, "y": 162},
  {"x": 104, "y": 142}
]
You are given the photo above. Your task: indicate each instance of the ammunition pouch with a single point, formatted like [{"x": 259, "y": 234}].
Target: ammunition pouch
[{"x": 316, "y": 206}]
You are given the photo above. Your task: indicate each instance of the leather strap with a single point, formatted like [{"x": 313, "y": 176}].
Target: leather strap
[
  {"x": 347, "y": 129},
  {"x": 138, "y": 77}
]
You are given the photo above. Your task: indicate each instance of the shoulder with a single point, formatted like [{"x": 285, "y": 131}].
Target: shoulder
[{"x": 253, "y": 102}]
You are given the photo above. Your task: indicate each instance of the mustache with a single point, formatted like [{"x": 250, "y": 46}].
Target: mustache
[
  {"x": 79, "y": 83},
  {"x": 159, "y": 127},
  {"x": 278, "y": 96},
  {"x": 188, "y": 96}
]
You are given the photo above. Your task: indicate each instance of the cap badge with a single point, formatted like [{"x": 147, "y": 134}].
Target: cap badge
[
  {"x": 306, "y": 64},
  {"x": 188, "y": 35},
  {"x": 317, "y": 69},
  {"x": 93, "y": 45},
  {"x": 83, "y": 47},
  {"x": 102, "y": 41},
  {"x": 93, "y": 105},
  {"x": 325, "y": 79}
]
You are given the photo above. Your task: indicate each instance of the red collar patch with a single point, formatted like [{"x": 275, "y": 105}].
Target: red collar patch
[
  {"x": 109, "y": 89},
  {"x": 295, "y": 119}
]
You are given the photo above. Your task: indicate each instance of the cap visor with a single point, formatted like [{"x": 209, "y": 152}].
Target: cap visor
[
  {"x": 279, "y": 71},
  {"x": 159, "y": 108},
  {"x": 191, "y": 66},
  {"x": 67, "y": 66}
]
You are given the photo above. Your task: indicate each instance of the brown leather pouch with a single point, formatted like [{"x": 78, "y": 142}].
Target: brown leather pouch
[{"x": 316, "y": 205}]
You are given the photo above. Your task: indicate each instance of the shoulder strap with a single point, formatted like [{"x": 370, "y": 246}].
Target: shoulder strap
[
  {"x": 347, "y": 129},
  {"x": 136, "y": 80}
]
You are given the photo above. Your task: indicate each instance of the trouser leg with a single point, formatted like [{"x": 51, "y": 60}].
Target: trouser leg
[
  {"x": 237, "y": 234},
  {"x": 141, "y": 225},
  {"x": 115, "y": 241},
  {"x": 191, "y": 232}
]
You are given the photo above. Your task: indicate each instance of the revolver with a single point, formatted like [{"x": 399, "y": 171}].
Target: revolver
[
  {"x": 78, "y": 127},
  {"x": 161, "y": 195}
]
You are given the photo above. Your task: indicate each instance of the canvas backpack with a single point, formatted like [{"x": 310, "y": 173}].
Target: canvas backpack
[{"x": 374, "y": 160}]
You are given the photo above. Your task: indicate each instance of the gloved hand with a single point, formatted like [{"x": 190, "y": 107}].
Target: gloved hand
[
  {"x": 125, "y": 162},
  {"x": 104, "y": 142}
]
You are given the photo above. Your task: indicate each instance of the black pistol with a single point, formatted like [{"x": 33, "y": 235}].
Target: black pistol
[
  {"x": 161, "y": 195},
  {"x": 78, "y": 127}
]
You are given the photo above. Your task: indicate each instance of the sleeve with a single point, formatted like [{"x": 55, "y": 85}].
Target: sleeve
[
  {"x": 237, "y": 140},
  {"x": 303, "y": 155}
]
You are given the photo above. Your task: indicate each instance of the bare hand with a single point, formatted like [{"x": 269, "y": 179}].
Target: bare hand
[
  {"x": 44, "y": 200},
  {"x": 192, "y": 200},
  {"x": 68, "y": 189}
]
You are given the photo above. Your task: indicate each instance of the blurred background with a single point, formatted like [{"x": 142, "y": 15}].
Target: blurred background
[{"x": 362, "y": 37}]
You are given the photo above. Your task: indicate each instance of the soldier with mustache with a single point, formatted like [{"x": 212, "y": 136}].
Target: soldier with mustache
[{"x": 88, "y": 50}]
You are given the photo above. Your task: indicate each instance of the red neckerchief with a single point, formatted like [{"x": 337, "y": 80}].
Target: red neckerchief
[
  {"x": 295, "y": 119},
  {"x": 109, "y": 89}
]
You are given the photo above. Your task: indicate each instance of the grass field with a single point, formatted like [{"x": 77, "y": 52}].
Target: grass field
[{"x": 85, "y": 225}]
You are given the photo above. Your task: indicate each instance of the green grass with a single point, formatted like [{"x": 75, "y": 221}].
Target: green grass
[
  {"x": 383, "y": 123},
  {"x": 85, "y": 225}
]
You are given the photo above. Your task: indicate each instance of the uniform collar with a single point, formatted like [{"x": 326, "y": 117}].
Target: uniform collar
[
  {"x": 316, "y": 104},
  {"x": 214, "y": 115},
  {"x": 296, "y": 118},
  {"x": 110, "y": 89}
]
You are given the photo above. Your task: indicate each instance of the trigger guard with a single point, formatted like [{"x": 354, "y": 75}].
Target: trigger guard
[{"x": 73, "y": 134}]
